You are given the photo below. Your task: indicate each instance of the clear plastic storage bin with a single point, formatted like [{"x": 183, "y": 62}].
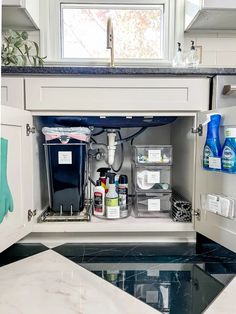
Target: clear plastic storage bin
[
  {"x": 151, "y": 178},
  {"x": 152, "y": 205},
  {"x": 153, "y": 154}
]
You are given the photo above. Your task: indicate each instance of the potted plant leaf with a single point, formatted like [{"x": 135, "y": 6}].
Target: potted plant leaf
[{"x": 17, "y": 49}]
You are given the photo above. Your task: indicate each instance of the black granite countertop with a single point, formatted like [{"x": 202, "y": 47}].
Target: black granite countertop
[{"x": 116, "y": 71}]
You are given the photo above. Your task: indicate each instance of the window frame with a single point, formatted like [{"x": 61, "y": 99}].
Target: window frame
[{"x": 51, "y": 41}]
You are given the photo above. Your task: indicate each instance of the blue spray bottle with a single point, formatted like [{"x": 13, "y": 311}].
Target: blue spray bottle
[
  {"x": 212, "y": 146},
  {"x": 229, "y": 151}
]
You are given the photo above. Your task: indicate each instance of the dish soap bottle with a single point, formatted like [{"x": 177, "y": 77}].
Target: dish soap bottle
[
  {"x": 229, "y": 151},
  {"x": 112, "y": 200},
  {"x": 192, "y": 57},
  {"x": 178, "y": 60},
  {"x": 212, "y": 146},
  {"x": 99, "y": 199}
]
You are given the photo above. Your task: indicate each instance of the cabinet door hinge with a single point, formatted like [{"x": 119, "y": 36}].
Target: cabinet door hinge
[
  {"x": 31, "y": 214},
  {"x": 198, "y": 130},
  {"x": 197, "y": 214},
  {"x": 29, "y": 129}
]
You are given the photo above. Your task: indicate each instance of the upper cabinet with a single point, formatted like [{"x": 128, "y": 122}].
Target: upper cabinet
[
  {"x": 20, "y": 14},
  {"x": 210, "y": 15}
]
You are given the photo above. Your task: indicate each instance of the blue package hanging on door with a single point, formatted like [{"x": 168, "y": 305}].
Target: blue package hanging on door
[
  {"x": 6, "y": 200},
  {"x": 66, "y": 156}
]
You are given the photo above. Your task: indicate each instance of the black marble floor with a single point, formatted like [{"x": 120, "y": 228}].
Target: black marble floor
[{"x": 173, "y": 278}]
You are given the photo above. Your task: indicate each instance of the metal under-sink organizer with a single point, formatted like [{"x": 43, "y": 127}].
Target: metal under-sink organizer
[{"x": 85, "y": 215}]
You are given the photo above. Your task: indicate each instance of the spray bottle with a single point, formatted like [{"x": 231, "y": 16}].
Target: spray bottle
[
  {"x": 112, "y": 200},
  {"x": 229, "y": 151},
  {"x": 103, "y": 177},
  {"x": 212, "y": 146}
]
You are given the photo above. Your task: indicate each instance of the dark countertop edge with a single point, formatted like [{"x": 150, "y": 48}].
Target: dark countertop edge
[{"x": 116, "y": 71}]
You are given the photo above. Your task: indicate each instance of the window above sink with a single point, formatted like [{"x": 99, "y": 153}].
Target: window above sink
[{"x": 77, "y": 32}]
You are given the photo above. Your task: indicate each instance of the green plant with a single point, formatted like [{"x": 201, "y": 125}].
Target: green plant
[{"x": 17, "y": 49}]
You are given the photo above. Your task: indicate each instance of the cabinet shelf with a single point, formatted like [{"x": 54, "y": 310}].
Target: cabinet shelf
[{"x": 130, "y": 224}]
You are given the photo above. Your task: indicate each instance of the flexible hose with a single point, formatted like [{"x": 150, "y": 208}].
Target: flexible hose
[
  {"x": 122, "y": 140},
  {"x": 98, "y": 133}
]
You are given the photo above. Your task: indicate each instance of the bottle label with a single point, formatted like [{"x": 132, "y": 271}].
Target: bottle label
[
  {"x": 228, "y": 158},
  {"x": 113, "y": 212},
  {"x": 123, "y": 197},
  {"x": 123, "y": 201},
  {"x": 206, "y": 154},
  {"x": 215, "y": 162},
  {"x": 112, "y": 202},
  {"x": 98, "y": 208}
]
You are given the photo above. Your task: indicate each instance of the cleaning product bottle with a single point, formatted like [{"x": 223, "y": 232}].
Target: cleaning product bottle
[
  {"x": 212, "y": 146},
  {"x": 112, "y": 200},
  {"x": 99, "y": 199},
  {"x": 192, "y": 57},
  {"x": 123, "y": 195},
  {"x": 103, "y": 177},
  {"x": 229, "y": 151},
  {"x": 178, "y": 60}
]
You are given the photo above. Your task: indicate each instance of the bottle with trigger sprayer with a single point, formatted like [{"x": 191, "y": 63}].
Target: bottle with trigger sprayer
[{"x": 112, "y": 199}]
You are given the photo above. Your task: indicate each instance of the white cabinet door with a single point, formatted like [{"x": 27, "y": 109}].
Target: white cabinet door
[
  {"x": 112, "y": 94},
  {"x": 211, "y": 225},
  {"x": 19, "y": 173},
  {"x": 12, "y": 92}
]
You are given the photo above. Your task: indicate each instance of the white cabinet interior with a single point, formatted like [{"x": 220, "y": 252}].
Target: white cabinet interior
[{"x": 177, "y": 134}]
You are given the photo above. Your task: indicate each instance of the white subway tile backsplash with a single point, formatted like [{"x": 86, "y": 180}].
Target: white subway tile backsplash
[
  {"x": 226, "y": 58},
  {"x": 217, "y": 44},
  {"x": 218, "y": 50},
  {"x": 209, "y": 58}
]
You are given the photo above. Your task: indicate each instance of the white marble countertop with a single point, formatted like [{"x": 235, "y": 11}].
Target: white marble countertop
[
  {"x": 50, "y": 283},
  {"x": 225, "y": 302}
]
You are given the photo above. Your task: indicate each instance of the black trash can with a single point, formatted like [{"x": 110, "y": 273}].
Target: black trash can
[{"x": 66, "y": 153}]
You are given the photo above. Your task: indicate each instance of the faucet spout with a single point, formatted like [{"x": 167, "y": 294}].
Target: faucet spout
[{"x": 110, "y": 40}]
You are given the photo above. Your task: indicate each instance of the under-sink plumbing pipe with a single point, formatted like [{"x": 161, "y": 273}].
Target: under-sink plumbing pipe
[
  {"x": 111, "y": 147},
  {"x": 100, "y": 146}
]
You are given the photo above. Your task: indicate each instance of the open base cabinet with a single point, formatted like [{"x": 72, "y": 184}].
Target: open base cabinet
[{"x": 28, "y": 182}]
